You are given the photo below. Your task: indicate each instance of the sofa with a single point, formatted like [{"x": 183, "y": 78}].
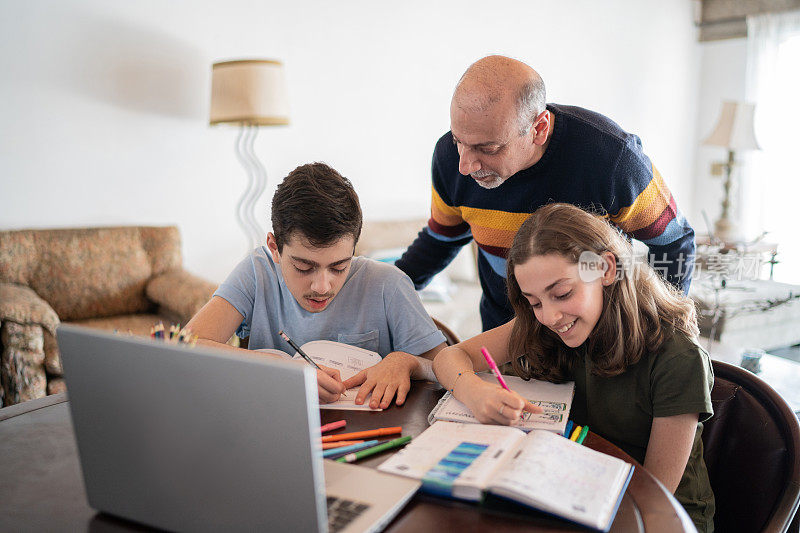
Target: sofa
[{"x": 114, "y": 278}]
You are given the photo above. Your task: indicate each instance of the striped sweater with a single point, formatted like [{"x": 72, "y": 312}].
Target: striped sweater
[{"x": 590, "y": 162}]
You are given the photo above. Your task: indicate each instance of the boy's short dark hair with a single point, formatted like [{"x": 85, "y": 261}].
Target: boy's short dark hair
[{"x": 317, "y": 203}]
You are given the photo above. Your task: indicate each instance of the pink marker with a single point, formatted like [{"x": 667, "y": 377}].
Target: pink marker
[
  {"x": 493, "y": 367},
  {"x": 333, "y": 425}
]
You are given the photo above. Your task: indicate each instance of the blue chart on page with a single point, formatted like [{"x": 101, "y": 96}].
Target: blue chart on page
[{"x": 439, "y": 479}]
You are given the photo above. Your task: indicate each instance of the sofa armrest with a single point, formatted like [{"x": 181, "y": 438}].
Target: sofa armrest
[
  {"x": 25, "y": 320},
  {"x": 22, "y": 305},
  {"x": 180, "y": 292}
]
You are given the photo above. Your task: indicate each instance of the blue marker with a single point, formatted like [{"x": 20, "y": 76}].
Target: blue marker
[
  {"x": 569, "y": 429},
  {"x": 344, "y": 450}
]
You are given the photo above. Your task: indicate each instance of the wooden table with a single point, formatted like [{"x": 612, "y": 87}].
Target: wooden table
[{"x": 51, "y": 495}]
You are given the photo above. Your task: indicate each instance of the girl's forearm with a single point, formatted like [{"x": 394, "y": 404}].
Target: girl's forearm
[{"x": 451, "y": 366}]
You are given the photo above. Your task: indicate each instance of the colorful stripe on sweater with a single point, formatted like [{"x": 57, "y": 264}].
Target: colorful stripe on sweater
[{"x": 652, "y": 218}]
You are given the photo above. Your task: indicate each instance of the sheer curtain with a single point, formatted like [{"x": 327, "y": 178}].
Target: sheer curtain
[{"x": 770, "y": 193}]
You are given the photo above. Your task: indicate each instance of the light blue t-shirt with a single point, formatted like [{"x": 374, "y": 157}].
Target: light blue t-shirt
[{"x": 376, "y": 309}]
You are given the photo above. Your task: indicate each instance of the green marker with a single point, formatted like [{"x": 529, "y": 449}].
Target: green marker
[
  {"x": 388, "y": 445},
  {"x": 582, "y": 435}
]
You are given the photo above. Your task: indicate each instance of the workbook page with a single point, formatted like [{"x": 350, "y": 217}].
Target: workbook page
[
  {"x": 555, "y": 399},
  {"x": 562, "y": 477},
  {"x": 349, "y": 361}
]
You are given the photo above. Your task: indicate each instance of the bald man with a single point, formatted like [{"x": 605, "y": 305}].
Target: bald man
[{"x": 508, "y": 153}]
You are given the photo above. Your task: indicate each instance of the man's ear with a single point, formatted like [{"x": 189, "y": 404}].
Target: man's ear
[
  {"x": 272, "y": 244},
  {"x": 541, "y": 128},
  {"x": 609, "y": 268}
]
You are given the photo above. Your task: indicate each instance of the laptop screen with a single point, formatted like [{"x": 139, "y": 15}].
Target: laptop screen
[{"x": 194, "y": 438}]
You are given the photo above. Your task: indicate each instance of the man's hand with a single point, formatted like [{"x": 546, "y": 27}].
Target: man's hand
[
  {"x": 389, "y": 377},
  {"x": 329, "y": 384}
]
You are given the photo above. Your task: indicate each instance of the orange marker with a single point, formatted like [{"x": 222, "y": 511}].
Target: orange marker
[
  {"x": 363, "y": 434},
  {"x": 339, "y": 444}
]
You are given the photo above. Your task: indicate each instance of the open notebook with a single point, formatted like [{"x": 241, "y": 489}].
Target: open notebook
[
  {"x": 554, "y": 398},
  {"x": 540, "y": 469},
  {"x": 348, "y": 360}
]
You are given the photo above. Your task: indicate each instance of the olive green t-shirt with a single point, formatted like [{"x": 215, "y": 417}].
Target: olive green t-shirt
[{"x": 675, "y": 380}]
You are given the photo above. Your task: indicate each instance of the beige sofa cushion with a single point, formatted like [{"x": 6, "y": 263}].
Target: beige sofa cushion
[{"x": 89, "y": 272}]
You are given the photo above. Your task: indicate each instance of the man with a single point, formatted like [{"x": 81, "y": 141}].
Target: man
[
  {"x": 507, "y": 153},
  {"x": 307, "y": 281}
]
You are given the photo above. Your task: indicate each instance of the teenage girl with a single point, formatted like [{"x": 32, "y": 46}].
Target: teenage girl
[{"x": 584, "y": 311}]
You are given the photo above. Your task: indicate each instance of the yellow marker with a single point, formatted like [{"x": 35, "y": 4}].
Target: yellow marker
[{"x": 575, "y": 433}]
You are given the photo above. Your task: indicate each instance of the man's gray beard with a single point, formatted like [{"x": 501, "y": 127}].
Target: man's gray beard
[{"x": 493, "y": 183}]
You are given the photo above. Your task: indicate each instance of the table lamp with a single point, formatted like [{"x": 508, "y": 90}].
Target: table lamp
[
  {"x": 250, "y": 93},
  {"x": 734, "y": 131}
]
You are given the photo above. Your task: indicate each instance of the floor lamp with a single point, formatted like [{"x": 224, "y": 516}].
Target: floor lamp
[
  {"x": 733, "y": 131},
  {"x": 250, "y": 93}
]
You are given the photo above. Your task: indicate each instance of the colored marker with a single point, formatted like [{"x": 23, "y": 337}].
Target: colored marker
[
  {"x": 493, "y": 367},
  {"x": 344, "y": 450},
  {"x": 575, "y": 433},
  {"x": 333, "y": 425},
  {"x": 568, "y": 429},
  {"x": 353, "y": 457},
  {"x": 583, "y": 434},
  {"x": 339, "y": 444},
  {"x": 380, "y": 432}
]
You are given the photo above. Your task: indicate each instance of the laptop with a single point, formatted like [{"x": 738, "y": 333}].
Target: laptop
[{"x": 200, "y": 439}]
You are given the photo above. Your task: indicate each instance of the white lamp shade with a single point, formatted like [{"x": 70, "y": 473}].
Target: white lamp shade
[
  {"x": 734, "y": 129},
  {"x": 251, "y": 91}
]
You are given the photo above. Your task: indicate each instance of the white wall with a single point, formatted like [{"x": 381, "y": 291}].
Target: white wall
[
  {"x": 103, "y": 104},
  {"x": 722, "y": 77}
]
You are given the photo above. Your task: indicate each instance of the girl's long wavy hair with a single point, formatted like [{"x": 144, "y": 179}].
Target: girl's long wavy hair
[{"x": 640, "y": 309}]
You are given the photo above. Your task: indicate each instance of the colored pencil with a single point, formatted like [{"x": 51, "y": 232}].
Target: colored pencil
[
  {"x": 568, "y": 430},
  {"x": 395, "y": 443},
  {"x": 363, "y": 434},
  {"x": 575, "y": 433},
  {"x": 333, "y": 453},
  {"x": 333, "y": 425}
]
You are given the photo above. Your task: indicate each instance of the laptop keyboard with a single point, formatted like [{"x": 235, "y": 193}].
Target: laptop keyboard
[{"x": 341, "y": 512}]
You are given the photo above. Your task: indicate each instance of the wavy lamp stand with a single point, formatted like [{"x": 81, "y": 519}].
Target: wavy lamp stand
[{"x": 250, "y": 93}]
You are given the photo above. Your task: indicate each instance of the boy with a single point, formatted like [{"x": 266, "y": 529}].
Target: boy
[{"x": 307, "y": 281}]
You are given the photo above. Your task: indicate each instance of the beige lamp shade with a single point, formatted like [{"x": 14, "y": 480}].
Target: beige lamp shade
[
  {"x": 734, "y": 129},
  {"x": 251, "y": 91}
]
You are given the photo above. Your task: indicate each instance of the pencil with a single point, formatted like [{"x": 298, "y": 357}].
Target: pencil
[
  {"x": 395, "y": 443},
  {"x": 303, "y": 354},
  {"x": 582, "y": 436},
  {"x": 568, "y": 429},
  {"x": 575, "y": 433},
  {"x": 299, "y": 350},
  {"x": 363, "y": 434}
]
